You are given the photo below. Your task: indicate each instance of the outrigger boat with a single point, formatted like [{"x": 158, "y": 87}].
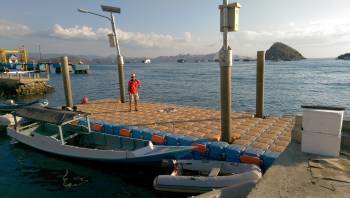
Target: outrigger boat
[
  {"x": 53, "y": 131},
  {"x": 200, "y": 176}
]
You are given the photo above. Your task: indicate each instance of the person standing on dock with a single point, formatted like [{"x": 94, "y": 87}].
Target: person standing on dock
[{"x": 133, "y": 87}]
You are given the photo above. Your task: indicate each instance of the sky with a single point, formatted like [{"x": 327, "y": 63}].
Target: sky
[{"x": 151, "y": 28}]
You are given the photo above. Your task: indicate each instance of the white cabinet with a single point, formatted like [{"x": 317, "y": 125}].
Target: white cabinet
[{"x": 322, "y": 130}]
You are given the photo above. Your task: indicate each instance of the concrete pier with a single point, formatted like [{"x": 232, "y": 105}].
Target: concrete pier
[
  {"x": 271, "y": 133},
  {"x": 290, "y": 176}
]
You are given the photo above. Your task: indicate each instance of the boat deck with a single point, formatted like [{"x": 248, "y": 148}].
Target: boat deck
[{"x": 272, "y": 133}]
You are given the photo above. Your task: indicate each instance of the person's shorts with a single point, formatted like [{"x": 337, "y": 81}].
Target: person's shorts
[{"x": 134, "y": 97}]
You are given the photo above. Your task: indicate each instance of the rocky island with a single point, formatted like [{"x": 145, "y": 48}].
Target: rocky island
[
  {"x": 280, "y": 51},
  {"x": 345, "y": 56}
]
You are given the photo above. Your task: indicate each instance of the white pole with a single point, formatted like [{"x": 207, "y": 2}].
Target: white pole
[
  {"x": 88, "y": 123},
  {"x": 61, "y": 134},
  {"x": 225, "y": 22},
  {"x": 114, "y": 29}
]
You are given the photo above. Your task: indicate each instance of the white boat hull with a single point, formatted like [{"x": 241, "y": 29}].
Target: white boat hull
[{"x": 52, "y": 145}]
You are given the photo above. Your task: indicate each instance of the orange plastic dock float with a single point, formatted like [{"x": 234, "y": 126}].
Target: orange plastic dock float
[{"x": 272, "y": 133}]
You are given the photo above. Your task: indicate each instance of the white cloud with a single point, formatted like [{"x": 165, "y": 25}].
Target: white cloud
[
  {"x": 75, "y": 32},
  {"x": 13, "y": 29},
  {"x": 152, "y": 39},
  {"x": 188, "y": 36},
  {"x": 309, "y": 37}
]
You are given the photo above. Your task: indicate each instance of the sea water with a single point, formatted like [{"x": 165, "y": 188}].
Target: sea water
[
  {"x": 288, "y": 85},
  {"x": 25, "y": 172}
]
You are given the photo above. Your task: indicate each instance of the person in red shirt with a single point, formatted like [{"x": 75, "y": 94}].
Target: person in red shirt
[{"x": 133, "y": 87}]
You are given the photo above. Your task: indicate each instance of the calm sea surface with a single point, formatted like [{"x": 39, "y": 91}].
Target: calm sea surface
[{"x": 25, "y": 172}]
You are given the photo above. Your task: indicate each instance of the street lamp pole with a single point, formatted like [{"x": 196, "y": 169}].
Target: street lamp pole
[
  {"x": 228, "y": 23},
  {"x": 120, "y": 61}
]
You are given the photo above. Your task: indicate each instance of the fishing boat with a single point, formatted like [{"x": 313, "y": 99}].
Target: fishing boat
[
  {"x": 199, "y": 176},
  {"x": 147, "y": 61},
  {"x": 9, "y": 105},
  {"x": 55, "y": 131}
]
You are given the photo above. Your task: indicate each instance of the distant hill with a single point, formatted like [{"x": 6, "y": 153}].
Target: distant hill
[
  {"x": 280, "y": 51},
  {"x": 91, "y": 59},
  {"x": 345, "y": 56}
]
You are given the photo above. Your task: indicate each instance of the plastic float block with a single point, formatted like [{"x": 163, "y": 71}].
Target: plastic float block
[
  {"x": 172, "y": 140},
  {"x": 124, "y": 132},
  {"x": 233, "y": 152},
  {"x": 254, "y": 152},
  {"x": 217, "y": 150},
  {"x": 116, "y": 129},
  {"x": 83, "y": 122},
  {"x": 147, "y": 134},
  {"x": 186, "y": 140},
  {"x": 136, "y": 133},
  {"x": 108, "y": 128},
  {"x": 161, "y": 133},
  {"x": 250, "y": 160},
  {"x": 268, "y": 158},
  {"x": 97, "y": 127},
  {"x": 201, "y": 151},
  {"x": 158, "y": 139},
  {"x": 187, "y": 156},
  {"x": 201, "y": 148}
]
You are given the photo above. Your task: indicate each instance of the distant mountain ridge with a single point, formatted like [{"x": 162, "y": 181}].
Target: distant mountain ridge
[{"x": 92, "y": 59}]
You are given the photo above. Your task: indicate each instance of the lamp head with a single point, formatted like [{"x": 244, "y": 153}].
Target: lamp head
[
  {"x": 110, "y": 9},
  {"x": 82, "y": 10}
]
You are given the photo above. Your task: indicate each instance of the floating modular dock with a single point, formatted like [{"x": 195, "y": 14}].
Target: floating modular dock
[{"x": 271, "y": 134}]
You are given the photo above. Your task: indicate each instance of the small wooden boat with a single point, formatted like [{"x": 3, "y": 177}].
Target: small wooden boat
[
  {"x": 10, "y": 105},
  {"x": 196, "y": 176},
  {"x": 53, "y": 131}
]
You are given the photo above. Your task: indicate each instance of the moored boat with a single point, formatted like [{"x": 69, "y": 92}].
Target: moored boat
[
  {"x": 181, "y": 60},
  {"x": 147, "y": 61},
  {"x": 54, "y": 131},
  {"x": 196, "y": 176},
  {"x": 81, "y": 68},
  {"x": 9, "y": 105}
]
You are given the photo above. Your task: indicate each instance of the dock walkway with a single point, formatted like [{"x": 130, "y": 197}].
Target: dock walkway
[{"x": 271, "y": 133}]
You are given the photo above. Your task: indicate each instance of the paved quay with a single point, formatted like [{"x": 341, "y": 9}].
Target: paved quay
[
  {"x": 271, "y": 133},
  {"x": 291, "y": 176}
]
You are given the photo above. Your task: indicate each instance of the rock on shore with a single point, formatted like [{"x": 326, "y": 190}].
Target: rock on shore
[
  {"x": 280, "y": 51},
  {"x": 345, "y": 56},
  {"x": 12, "y": 88}
]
